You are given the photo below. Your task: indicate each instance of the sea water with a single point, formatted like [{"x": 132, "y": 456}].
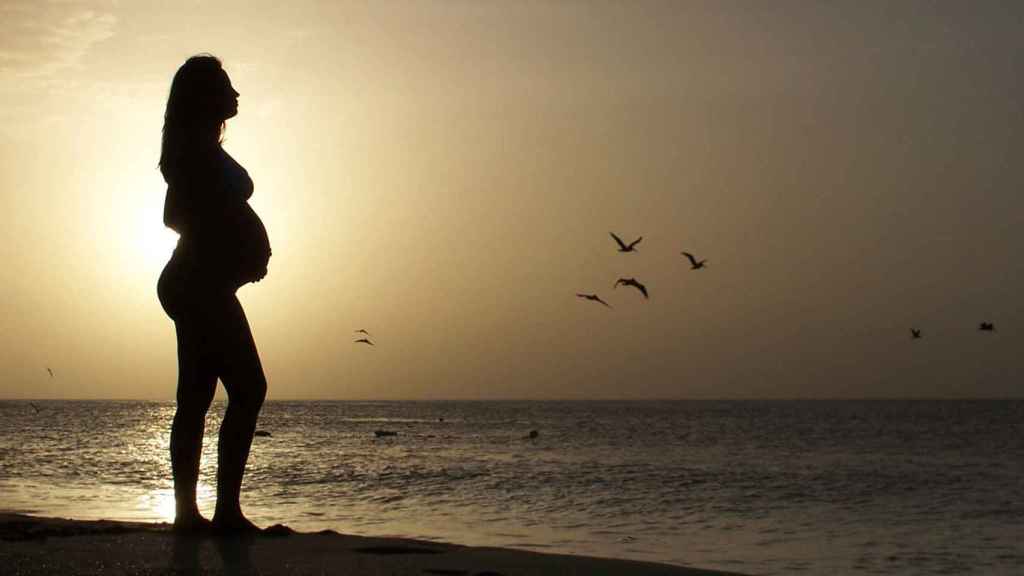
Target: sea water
[{"x": 762, "y": 487}]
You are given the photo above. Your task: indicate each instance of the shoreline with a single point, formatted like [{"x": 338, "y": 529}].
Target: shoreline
[{"x": 32, "y": 545}]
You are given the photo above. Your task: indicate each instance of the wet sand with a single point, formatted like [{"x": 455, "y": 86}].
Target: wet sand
[{"x": 33, "y": 545}]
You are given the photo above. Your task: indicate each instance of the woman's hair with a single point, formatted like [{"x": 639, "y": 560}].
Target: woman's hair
[{"x": 193, "y": 119}]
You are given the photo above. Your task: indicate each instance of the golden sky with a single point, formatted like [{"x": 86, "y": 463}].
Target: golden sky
[{"x": 444, "y": 174}]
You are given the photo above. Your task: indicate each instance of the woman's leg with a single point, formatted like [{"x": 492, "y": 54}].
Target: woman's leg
[
  {"x": 197, "y": 382},
  {"x": 246, "y": 385}
]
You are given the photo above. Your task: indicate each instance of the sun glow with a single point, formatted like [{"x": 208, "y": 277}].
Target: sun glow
[
  {"x": 155, "y": 243},
  {"x": 148, "y": 243},
  {"x": 159, "y": 506}
]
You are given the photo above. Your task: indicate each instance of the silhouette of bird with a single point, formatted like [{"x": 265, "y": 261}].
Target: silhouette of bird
[
  {"x": 593, "y": 297},
  {"x": 34, "y": 407},
  {"x": 361, "y": 331},
  {"x": 632, "y": 282},
  {"x": 987, "y": 327},
  {"x": 623, "y": 247},
  {"x": 915, "y": 333},
  {"x": 364, "y": 341},
  {"x": 694, "y": 263},
  {"x": 50, "y": 371}
]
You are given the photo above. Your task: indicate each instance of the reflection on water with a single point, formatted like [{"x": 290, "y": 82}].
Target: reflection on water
[
  {"x": 759, "y": 487},
  {"x": 158, "y": 505}
]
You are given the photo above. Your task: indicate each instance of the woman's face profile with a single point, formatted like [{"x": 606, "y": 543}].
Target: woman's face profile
[{"x": 228, "y": 98}]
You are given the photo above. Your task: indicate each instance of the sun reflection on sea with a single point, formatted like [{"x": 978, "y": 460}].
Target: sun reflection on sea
[{"x": 158, "y": 505}]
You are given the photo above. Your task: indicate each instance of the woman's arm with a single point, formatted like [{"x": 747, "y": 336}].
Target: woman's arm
[{"x": 191, "y": 197}]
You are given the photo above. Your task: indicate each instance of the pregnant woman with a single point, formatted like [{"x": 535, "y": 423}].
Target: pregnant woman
[{"x": 222, "y": 245}]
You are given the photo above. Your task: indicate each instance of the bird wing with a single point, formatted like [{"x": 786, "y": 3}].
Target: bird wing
[
  {"x": 364, "y": 341},
  {"x": 618, "y": 240},
  {"x": 598, "y": 298},
  {"x": 690, "y": 257},
  {"x": 642, "y": 288},
  {"x": 635, "y": 242}
]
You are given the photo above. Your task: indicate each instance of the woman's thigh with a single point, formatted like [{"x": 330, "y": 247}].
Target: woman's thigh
[
  {"x": 197, "y": 368},
  {"x": 241, "y": 369},
  {"x": 214, "y": 337}
]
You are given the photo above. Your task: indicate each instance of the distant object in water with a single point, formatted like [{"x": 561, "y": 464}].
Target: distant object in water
[
  {"x": 364, "y": 341},
  {"x": 915, "y": 333},
  {"x": 532, "y": 435},
  {"x": 631, "y": 282},
  {"x": 593, "y": 297},
  {"x": 262, "y": 434},
  {"x": 50, "y": 371},
  {"x": 694, "y": 263},
  {"x": 623, "y": 247},
  {"x": 987, "y": 327},
  {"x": 384, "y": 433},
  {"x": 361, "y": 331},
  {"x": 36, "y": 408},
  {"x": 441, "y": 419}
]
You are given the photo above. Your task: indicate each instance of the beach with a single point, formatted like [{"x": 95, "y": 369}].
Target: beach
[{"x": 36, "y": 545}]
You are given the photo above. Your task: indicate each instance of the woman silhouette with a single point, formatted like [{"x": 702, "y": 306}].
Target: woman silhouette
[{"x": 222, "y": 246}]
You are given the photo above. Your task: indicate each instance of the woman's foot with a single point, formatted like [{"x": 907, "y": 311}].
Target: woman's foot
[
  {"x": 191, "y": 524},
  {"x": 233, "y": 524}
]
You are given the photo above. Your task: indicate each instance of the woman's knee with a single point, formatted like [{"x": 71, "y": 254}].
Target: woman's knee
[
  {"x": 258, "y": 392},
  {"x": 192, "y": 408},
  {"x": 248, "y": 393},
  {"x": 195, "y": 396}
]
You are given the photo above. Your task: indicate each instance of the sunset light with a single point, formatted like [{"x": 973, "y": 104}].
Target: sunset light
[{"x": 727, "y": 283}]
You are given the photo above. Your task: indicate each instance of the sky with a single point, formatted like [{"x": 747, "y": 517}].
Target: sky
[{"x": 445, "y": 175}]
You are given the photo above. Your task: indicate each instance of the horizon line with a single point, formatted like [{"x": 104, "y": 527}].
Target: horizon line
[{"x": 600, "y": 399}]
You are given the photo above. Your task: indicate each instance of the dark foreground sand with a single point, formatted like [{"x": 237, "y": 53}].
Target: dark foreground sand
[{"x": 32, "y": 545}]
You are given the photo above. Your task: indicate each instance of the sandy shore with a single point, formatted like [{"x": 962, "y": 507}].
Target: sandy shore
[{"x": 34, "y": 545}]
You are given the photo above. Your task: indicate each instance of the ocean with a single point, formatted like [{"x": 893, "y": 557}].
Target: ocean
[{"x": 761, "y": 487}]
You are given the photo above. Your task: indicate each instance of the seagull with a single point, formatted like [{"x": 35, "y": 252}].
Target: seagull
[
  {"x": 631, "y": 282},
  {"x": 987, "y": 327},
  {"x": 361, "y": 331},
  {"x": 364, "y": 341},
  {"x": 593, "y": 297},
  {"x": 50, "y": 371},
  {"x": 915, "y": 333},
  {"x": 694, "y": 263},
  {"x": 623, "y": 247}
]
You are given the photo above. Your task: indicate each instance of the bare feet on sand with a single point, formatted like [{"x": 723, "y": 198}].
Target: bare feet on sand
[
  {"x": 233, "y": 524},
  {"x": 192, "y": 523}
]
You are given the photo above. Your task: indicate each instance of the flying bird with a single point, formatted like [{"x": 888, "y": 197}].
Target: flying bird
[
  {"x": 593, "y": 297},
  {"x": 34, "y": 407},
  {"x": 364, "y": 341},
  {"x": 623, "y": 247},
  {"x": 987, "y": 327},
  {"x": 361, "y": 331},
  {"x": 694, "y": 263},
  {"x": 631, "y": 282},
  {"x": 50, "y": 371},
  {"x": 915, "y": 333}
]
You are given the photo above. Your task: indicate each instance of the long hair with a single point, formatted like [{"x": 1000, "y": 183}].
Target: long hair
[{"x": 192, "y": 120}]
